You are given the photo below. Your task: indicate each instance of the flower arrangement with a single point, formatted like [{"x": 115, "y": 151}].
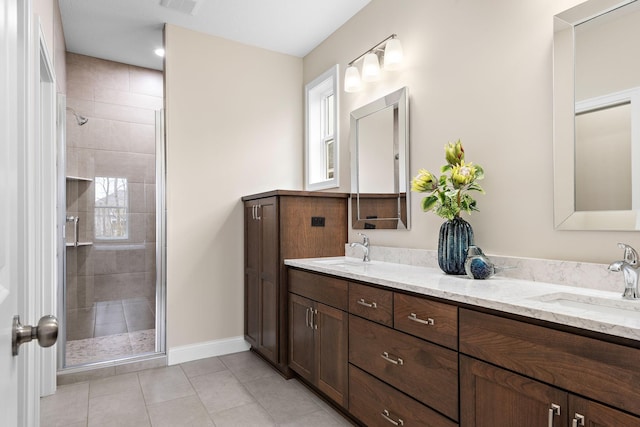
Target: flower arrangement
[{"x": 448, "y": 195}]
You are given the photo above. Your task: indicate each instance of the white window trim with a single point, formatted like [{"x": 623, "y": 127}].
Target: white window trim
[{"x": 314, "y": 92}]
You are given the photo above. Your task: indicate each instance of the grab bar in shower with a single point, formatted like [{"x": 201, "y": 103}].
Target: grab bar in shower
[{"x": 75, "y": 220}]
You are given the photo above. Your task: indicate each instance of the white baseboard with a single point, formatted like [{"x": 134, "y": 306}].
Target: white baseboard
[{"x": 188, "y": 353}]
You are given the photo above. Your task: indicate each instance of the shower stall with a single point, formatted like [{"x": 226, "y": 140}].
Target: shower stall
[{"x": 112, "y": 300}]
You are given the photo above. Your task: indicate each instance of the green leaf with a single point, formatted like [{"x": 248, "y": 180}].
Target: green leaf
[
  {"x": 429, "y": 202},
  {"x": 445, "y": 168}
]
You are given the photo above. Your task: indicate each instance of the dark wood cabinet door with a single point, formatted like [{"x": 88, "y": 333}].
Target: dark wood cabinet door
[
  {"x": 492, "y": 397},
  {"x": 301, "y": 337},
  {"x": 269, "y": 333},
  {"x": 251, "y": 275},
  {"x": 591, "y": 414},
  {"x": 331, "y": 328}
]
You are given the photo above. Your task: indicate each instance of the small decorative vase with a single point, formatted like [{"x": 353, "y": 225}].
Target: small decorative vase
[
  {"x": 456, "y": 236},
  {"x": 477, "y": 265}
]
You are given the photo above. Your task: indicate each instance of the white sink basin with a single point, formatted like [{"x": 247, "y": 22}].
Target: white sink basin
[{"x": 592, "y": 304}]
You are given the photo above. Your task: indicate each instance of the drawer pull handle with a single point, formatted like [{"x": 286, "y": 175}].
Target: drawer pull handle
[
  {"x": 387, "y": 416},
  {"x": 578, "y": 420},
  {"x": 361, "y": 301},
  {"x": 553, "y": 410},
  {"x": 396, "y": 361},
  {"x": 415, "y": 318},
  {"x": 306, "y": 318}
]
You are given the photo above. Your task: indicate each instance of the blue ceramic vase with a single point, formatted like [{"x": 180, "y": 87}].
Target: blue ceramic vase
[{"x": 456, "y": 236}]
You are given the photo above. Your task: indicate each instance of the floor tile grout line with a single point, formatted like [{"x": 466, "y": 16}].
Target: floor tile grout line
[{"x": 197, "y": 394}]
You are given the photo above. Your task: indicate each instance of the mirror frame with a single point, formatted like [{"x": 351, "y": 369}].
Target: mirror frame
[
  {"x": 564, "y": 109},
  {"x": 399, "y": 100}
]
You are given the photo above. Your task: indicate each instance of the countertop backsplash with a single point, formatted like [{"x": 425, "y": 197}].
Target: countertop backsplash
[{"x": 569, "y": 273}]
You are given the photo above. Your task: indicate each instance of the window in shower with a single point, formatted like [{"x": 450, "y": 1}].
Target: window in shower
[{"x": 111, "y": 208}]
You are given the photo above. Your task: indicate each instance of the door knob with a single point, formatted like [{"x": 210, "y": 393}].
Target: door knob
[{"x": 46, "y": 332}]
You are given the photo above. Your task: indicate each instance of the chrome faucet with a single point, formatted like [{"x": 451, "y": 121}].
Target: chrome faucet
[
  {"x": 629, "y": 268},
  {"x": 364, "y": 245}
]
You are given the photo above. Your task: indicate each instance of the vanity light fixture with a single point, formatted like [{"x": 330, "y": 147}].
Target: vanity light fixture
[
  {"x": 159, "y": 51},
  {"x": 389, "y": 49}
]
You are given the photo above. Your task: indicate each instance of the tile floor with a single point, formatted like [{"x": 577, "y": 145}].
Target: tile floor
[{"x": 233, "y": 390}]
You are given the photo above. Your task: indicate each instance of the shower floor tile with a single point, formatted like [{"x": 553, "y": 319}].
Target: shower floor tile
[
  {"x": 110, "y": 347},
  {"x": 110, "y": 330}
]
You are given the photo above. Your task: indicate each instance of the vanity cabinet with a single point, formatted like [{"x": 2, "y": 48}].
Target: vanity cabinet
[
  {"x": 318, "y": 327},
  {"x": 548, "y": 377},
  {"x": 277, "y": 225},
  {"x": 413, "y": 360}
]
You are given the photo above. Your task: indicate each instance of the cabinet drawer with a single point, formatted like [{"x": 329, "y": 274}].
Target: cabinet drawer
[
  {"x": 425, "y": 371},
  {"x": 327, "y": 290},
  {"x": 431, "y": 320},
  {"x": 371, "y": 303},
  {"x": 596, "y": 369},
  {"x": 371, "y": 401}
]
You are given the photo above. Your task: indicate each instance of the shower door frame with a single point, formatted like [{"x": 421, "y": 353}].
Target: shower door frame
[{"x": 161, "y": 250}]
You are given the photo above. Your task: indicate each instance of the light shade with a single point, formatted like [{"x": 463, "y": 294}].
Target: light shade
[
  {"x": 370, "y": 67},
  {"x": 352, "y": 82},
  {"x": 393, "y": 54}
]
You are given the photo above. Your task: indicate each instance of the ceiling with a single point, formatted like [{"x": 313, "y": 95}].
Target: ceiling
[{"x": 128, "y": 31}]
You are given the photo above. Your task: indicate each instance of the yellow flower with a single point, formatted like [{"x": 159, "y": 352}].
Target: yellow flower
[
  {"x": 454, "y": 153},
  {"x": 424, "y": 182},
  {"x": 463, "y": 174}
]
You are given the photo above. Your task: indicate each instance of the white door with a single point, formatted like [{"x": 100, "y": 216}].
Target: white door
[
  {"x": 9, "y": 390},
  {"x": 27, "y": 214}
]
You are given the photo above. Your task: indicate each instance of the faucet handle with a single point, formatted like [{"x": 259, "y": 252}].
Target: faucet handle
[
  {"x": 630, "y": 254},
  {"x": 365, "y": 239}
]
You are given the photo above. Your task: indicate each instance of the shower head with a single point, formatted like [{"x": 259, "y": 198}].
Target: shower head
[{"x": 79, "y": 117}]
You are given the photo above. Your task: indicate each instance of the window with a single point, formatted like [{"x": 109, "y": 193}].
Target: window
[
  {"x": 111, "y": 208},
  {"x": 321, "y": 152}
]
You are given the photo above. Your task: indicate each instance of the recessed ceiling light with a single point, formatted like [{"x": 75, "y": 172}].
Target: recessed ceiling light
[{"x": 159, "y": 51}]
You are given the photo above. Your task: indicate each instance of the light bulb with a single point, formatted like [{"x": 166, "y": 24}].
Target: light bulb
[
  {"x": 352, "y": 82},
  {"x": 370, "y": 67},
  {"x": 393, "y": 54}
]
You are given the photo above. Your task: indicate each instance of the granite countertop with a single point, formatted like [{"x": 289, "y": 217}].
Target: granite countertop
[{"x": 590, "y": 309}]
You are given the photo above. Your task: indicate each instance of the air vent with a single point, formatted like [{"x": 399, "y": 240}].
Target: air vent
[{"x": 185, "y": 6}]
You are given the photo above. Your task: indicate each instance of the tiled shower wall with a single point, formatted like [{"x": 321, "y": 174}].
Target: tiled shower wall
[{"x": 118, "y": 141}]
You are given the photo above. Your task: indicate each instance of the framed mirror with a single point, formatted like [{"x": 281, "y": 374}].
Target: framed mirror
[
  {"x": 597, "y": 116},
  {"x": 380, "y": 163}
]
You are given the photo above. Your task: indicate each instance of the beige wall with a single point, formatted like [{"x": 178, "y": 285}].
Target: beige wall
[
  {"x": 51, "y": 25},
  {"x": 479, "y": 70},
  {"x": 234, "y": 127}
]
